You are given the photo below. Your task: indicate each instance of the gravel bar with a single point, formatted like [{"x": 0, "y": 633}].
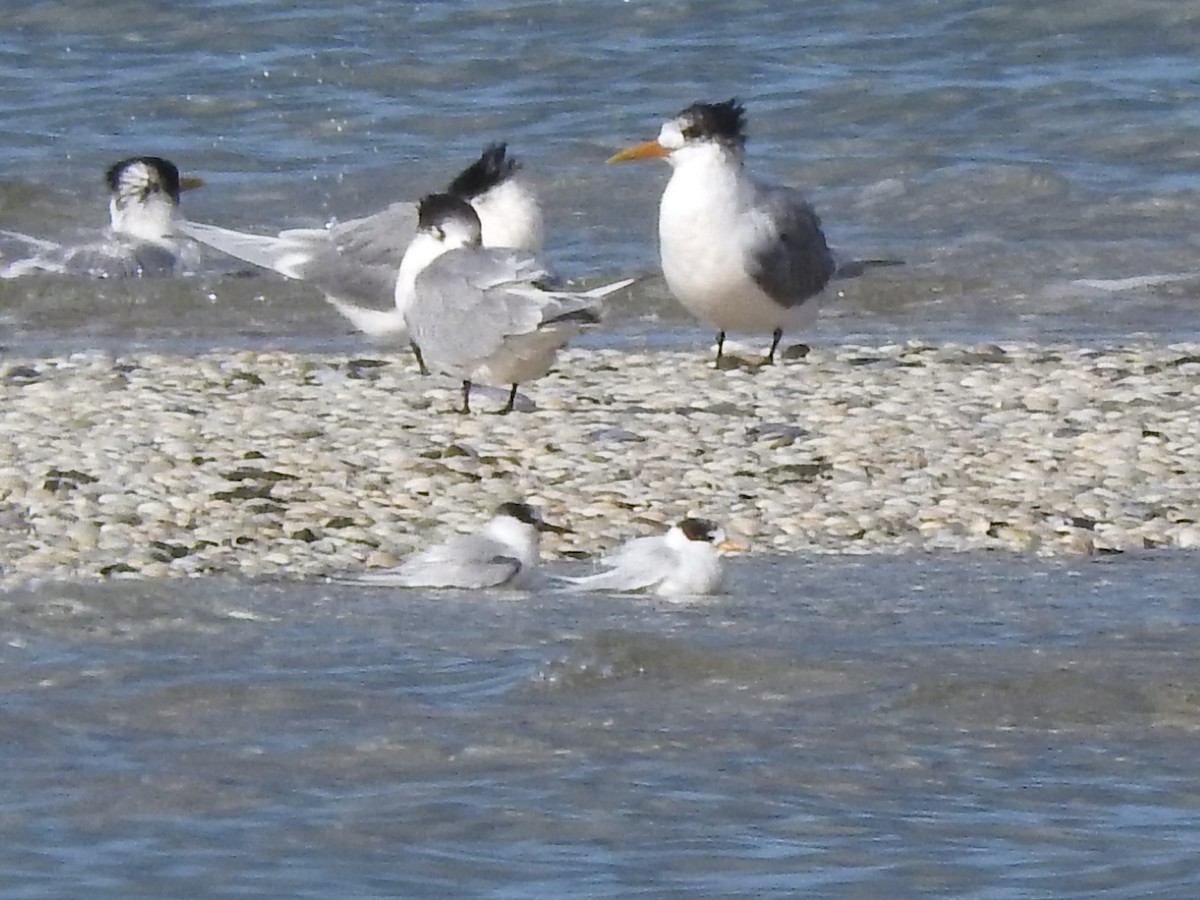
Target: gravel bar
[{"x": 298, "y": 465}]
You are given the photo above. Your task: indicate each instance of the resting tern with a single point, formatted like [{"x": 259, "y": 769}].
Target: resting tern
[
  {"x": 142, "y": 237},
  {"x": 502, "y": 553},
  {"x": 483, "y": 314},
  {"x": 355, "y": 261},
  {"x": 739, "y": 253},
  {"x": 684, "y": 561}
]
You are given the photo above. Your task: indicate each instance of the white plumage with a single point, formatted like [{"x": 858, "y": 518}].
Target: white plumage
[
  {"x": 142, "y": 238},
  {"x": 354, "y": 263},
  {"x": 503, "y": 553},
  {"x": 738, "y": 253},
  {"x": 684, "y": 561},
  {"x": 480, "y": 314}
]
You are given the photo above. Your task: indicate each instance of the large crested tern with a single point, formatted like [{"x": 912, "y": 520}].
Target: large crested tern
[
  {"x": 739, "y": 253},
  {"x": 484, "y": 314},
  {"x": 142, "y": 237},
  {"x": 502, "y": 553},
  {"x": 685, "y": 561}
]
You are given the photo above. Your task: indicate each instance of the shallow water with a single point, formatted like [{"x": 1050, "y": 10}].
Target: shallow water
[
  {"x": 840, "y": 726},
  {"x": 843, "y": 726},
  {"x": 1004, "y": 153}
]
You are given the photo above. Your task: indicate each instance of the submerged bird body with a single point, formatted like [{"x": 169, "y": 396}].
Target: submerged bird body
[
  {"x": 142, "y": 238},
  {"x": 684, "y": 561},
  {"x": 354, "y": 262},
  {"x": 739, "y": 253},
  {"x": 504, "y": 553},
  {"x": 480, "y": 314}
]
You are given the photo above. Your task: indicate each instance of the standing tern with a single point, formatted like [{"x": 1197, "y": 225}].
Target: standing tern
[
  {"x": 739, "y": 253},
  {"x": 483, "y": 314},
  {"x": 355, "y": 262},
  {"x": 141, "y": 239},
  {"x": 502, "y": 553},
  {"x": 684, "y": 561}
]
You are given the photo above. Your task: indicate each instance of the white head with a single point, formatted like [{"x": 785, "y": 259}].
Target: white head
[
  {"x": 143, "y": 197},
  {"x": 693, "y": 534},
  {"x": 520, "y": 526},
  {"x": 444, "y": 223},
  {"x": 702, "y": 130},
  {"x": 696, "y": 545},
  {"x": 509, "y": 212}
]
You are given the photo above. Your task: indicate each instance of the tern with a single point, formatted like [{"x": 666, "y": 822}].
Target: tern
[
  {"x": 484, "y": 314},
  {"x": 355, "y": 262},
  {"x": 141, "y": 239},
  {"x": 503, "y": 553},
  {"x": 739, "y": 253},
  {"x": 685, "y": 561}
]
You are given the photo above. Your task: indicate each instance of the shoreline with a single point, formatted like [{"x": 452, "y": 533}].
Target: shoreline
[{"x": 273, "y": 463}]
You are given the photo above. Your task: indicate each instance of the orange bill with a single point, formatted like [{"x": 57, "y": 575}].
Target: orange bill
[
  {"x": 645, "y": 150},
  {"x": 189, "y": 182}
]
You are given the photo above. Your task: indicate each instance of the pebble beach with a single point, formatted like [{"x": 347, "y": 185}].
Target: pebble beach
[{"x": 299, "y": 465}]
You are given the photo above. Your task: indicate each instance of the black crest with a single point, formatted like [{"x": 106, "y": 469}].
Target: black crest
[
  {"x": 162, "y": 176},
  {"x": 724, "y": 122},
  {"x": 436, "y": 210},
  {"x": 522, "y": 512},
  {"x": 491, "y": 169},
  {"x": 699, "y": 530}
]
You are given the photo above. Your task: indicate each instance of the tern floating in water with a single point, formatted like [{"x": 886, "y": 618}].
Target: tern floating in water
[
  {"x": 142, "y": 238},
  {"x": 683, "y": 562},
  {"x": 484, "y": 314},
  {"x": 739, "y": 253},
  {"x": 504, "y": 553}
]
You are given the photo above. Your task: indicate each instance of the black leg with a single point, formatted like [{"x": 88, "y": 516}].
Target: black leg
[
  {"x": 512, "y": 398},
  {"x": 466, "y": 407},
  {"x": 720, "y": 347},
  {"x": 420, "y": 359},
  {"x": 776, "y": 338}
]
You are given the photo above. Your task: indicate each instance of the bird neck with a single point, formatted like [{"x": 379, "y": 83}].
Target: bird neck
[
  {"x": 152, "y": 220},
  {"x": 422, "y": 251},
  {"x": 704, "y": 199},
  {"x": 708, "y": 175},
  {"x": 523, "y": 539}
]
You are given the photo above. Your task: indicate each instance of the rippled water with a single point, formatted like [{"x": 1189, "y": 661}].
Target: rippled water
[
  {"x": 839, "y": 727},
  {"x": 975, "y": 728},
  {"x": 1004, "y": 151}
]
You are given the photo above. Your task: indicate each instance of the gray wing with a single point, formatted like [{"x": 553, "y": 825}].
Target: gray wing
[
  {"x": 356, "y": 260},
  {"x": 638, "y": 565},
  {"x": 469, "y": 300},
  {"x": 790, "y": 260},
  {"x": 379, "y": 239},
  {"x": 469, "y": 561}
]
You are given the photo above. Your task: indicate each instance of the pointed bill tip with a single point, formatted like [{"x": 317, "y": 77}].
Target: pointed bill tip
[
  {"x": 644, "y": 150},
  {"x": 732, "y": 546},
  {"x": 190, "y": 182}
]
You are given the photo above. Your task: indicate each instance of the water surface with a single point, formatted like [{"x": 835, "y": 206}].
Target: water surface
[
  {"x": 836, "y": 726},
  {"x": 1005, "y": 153}
]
